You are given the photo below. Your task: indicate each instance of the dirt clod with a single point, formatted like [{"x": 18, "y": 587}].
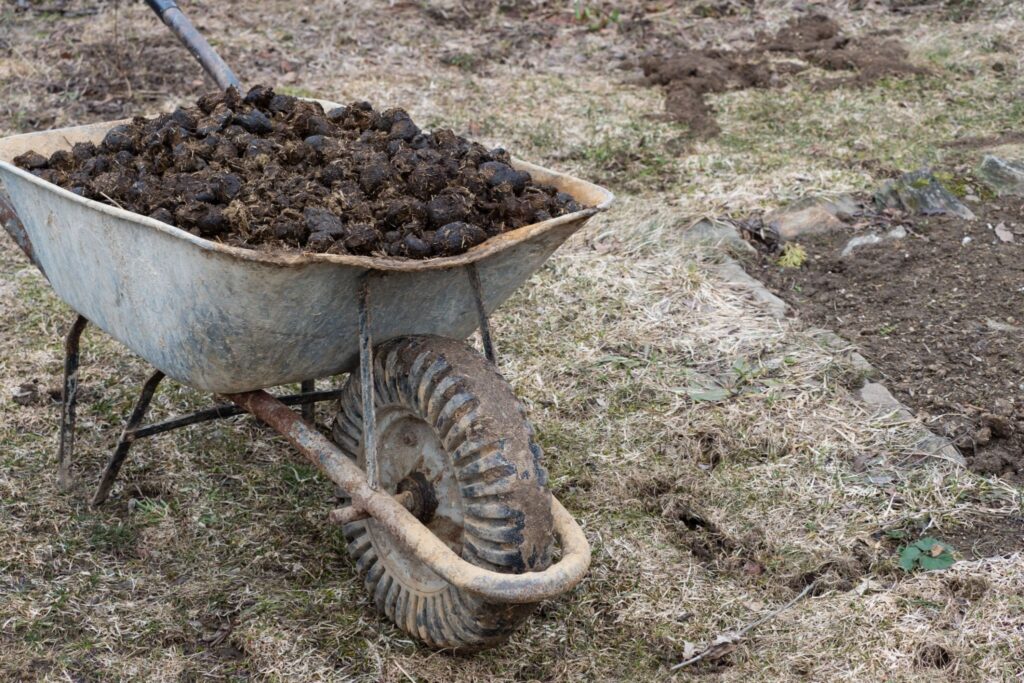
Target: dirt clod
[
  {"x": 270, "y": 171},
  {"x": 811, "y": 40}
]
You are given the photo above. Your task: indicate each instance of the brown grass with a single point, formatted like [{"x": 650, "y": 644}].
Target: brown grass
[{"x": 213, "y": 560}]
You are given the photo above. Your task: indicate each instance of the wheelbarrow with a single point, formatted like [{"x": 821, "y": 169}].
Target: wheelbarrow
[{"x": 448, "y": 515}]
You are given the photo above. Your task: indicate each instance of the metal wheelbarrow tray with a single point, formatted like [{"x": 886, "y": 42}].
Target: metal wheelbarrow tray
[
  {"x": 234, "y": 321},
  {"x": 226, "y": 319}
]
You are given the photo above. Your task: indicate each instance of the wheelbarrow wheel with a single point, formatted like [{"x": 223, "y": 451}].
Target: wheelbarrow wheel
[{"x": 450, "y": 429}]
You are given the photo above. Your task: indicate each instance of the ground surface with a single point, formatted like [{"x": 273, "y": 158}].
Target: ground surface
[
  {"x": 938, "y": 312},
  {"x": 707, "y": 509}
]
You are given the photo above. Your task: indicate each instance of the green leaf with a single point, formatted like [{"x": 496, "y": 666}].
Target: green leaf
[
  {"x": 909, "y": 557},
  {"x": 896, "y": 533},
  {"x": 926, "y": 553},
  {"x": 943, "y": 561}
]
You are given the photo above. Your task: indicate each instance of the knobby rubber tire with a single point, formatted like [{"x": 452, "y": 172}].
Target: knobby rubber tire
[{"x": 489, "y": 444}]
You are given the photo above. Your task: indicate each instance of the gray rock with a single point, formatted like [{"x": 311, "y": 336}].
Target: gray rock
[
  {"x": 875, "y": 394},
  {"x": 928, "y": 443},
  {"x": 812, "y": 215},
  {"x": 844, "y": 207},
  {"x": 920, "y": 193},
  {"x": 831, "y": 341},
  {"x": 1003, "y": 176},
  {"x": 792, "y": 222},
  {"x": 897, "y": 233},
  {"x": 936, "y": 446},
  {"x": 716, "y": 233},
  {"x": 997, "y": 326},
  {"x": 733, "y": 274}
]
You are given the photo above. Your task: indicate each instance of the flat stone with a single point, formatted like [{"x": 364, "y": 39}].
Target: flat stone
[
  {"x": 928, "y": 443},
  {"x": 717, "y": 233},
  {"x": 997, "y": 326},
  {"x": 833, "y": 342},
  {"x": 877, "y": 395},
  {"x": 919, "y": 192},
  {"x": 936, "y": 446},
  {"x": 1002, "y": 176},
  {"x": 897, "y": 233},
  {"x": 843, "y": 206},
  {"x": 790, "y": 223},
  {"x": 733, "y": 274},
  {"x": 860, "y": 241}
]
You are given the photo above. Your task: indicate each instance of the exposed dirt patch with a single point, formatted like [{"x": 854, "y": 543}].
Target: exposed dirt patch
[
  {"x": 988, "y": 536},
  {"x": 940, "y": 313},
  {"x": 712, "y": 546},
  {"x": 821, "y": 42},
  {"x": 271, "y": 171},
  {"x": 688, "y": 76},
  {"x": 812, "y": 40}
]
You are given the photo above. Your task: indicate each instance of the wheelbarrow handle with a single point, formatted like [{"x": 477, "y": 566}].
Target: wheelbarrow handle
[
  {"x": 406, "y": 529},
  {"x": 176, "y": 20}
]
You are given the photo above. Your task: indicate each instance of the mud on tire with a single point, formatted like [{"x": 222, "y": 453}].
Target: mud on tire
[{"x": 444, "y": 412}]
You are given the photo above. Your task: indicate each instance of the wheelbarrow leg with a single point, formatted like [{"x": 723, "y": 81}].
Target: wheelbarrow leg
[
  {"x": 69, "y": 400},
  {"x": 366, "y": 384},
  {"x": 481, "y": 313},
  {"x": 127, "y": 438},
  {"x": 309, "y": 409}
]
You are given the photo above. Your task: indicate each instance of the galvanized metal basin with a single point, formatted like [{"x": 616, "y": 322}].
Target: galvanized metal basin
[{"x": 227, "y": 320}]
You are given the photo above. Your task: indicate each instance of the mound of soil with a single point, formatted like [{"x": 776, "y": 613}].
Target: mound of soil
[
  {"x": 813, "y": 40},
  {"x": 274, "y": 172},
  {"x": 940, "y": 313}
]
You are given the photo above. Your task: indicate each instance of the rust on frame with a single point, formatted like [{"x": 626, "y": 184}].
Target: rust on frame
[{"x": 406, "y": 529}]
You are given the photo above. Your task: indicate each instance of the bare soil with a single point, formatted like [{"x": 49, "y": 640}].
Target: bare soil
[
  {"x": 940, "y": 313},
  {"x": 988, "y": 536},
  {"x": 813, "y": 40},
  {"x": 275, "y": 172},
  {"x": 212, "y": 561}
]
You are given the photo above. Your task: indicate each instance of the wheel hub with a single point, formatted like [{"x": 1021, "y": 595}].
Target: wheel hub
[
  {"x": 424, "y": 498},
  {"x": 412, "y": 458}
]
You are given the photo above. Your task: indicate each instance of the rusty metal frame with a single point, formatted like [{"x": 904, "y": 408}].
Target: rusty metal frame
[
  {"x": 127, "y": 438},
  {"x": 69, "y": 402},
  {"x": 367, "y": 501},
  {"x": 134, "y": 430},
  {"x": 392, "y": 515},
  {"x": 366, "y": 384},
  {"x": 483, "y": 323}
]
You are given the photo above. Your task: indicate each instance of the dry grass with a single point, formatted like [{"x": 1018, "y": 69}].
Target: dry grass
[{"x": 213, "y": 561}]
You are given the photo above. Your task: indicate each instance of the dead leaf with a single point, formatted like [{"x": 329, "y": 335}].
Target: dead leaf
[
  {"x": 689, "y": 649},
  {"x": 1003, "y": 233},
  {"x": 26, "y": 394},
  {"x": 723, "y": 646},
  {"x": 937, "y": 550}
]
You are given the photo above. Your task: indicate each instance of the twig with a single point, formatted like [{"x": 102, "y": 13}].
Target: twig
[
  {"x": 735, "y": 637},
  {"x": 111, "y": 200}
]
